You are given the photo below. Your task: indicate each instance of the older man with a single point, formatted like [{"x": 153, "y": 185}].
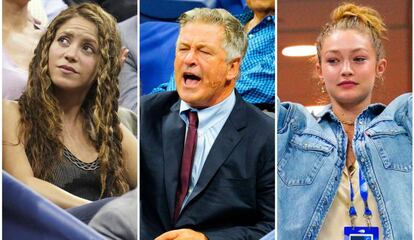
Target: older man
[
  {"x": 257, "y": 76},
  {"x": 207, "y": 157}
]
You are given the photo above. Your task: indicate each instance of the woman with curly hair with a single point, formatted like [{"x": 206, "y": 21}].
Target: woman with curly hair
[
  {"x": 63, "y": 137},
  {"x": 346, "y": 172}
]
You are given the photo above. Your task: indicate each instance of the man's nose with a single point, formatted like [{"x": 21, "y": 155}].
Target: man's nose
[{"x": 190, "y": 58}]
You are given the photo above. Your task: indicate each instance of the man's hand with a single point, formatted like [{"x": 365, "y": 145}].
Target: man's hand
[{"x": 182, "y": 234}]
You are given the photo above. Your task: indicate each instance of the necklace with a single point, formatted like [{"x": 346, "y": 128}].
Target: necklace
[
  {"x": 345, "y": 122},
  {"x": 350, "y": 123}
]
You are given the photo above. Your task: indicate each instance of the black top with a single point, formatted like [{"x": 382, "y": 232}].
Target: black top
[{"x": 77, "y": 177}]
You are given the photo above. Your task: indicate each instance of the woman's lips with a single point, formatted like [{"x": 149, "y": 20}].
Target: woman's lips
[
  {"x": 67, "y": 69},
  {"x": 347, "y": 84}
]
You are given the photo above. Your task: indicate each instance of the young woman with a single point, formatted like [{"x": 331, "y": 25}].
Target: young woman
[
  {"x": 63, "y": 137},
  {"x": 348, "y": 169}
]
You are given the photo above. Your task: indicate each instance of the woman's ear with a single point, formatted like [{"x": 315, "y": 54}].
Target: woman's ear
[
  {"x": 318, "y": 70},
  {"x": 381, "y": 66}
]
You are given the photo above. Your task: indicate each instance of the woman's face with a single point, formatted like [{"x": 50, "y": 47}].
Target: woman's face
[
  {"x": 349, "y": 67},
  {"x": 73, "y": 55}
]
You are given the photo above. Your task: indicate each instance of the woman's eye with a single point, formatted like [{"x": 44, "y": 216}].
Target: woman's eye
[
  {"x": 88, "y": 49},
  {"x": 332, "y": 60},
  {"x": 63, "y": 41},
  {"x": 360, "y": 59}
]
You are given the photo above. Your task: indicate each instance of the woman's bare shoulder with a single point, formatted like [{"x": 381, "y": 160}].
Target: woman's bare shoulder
[{"x": 11, "y": 114}]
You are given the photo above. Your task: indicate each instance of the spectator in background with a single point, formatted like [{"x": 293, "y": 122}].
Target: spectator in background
[
  {"x": 257, "y": 77},
  {"x": 119, "y": 218},
  {"x": 120, "y": 9},
  {"x": 21, "y": 33},
  {"x": 63, "y": 137},
  {"x": 128, "y": 78},
  {"x": 53, "y": 8}
]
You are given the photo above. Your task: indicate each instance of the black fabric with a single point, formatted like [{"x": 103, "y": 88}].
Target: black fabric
[{"x": 76, "y": 180}]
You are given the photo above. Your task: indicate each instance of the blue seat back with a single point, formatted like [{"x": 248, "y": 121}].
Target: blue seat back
[
  {"x": 27, "y": 215},
  {"x": 157, "y": 53}
]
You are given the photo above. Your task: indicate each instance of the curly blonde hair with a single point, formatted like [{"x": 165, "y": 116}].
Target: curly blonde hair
[{"x": 41, "y": 123}]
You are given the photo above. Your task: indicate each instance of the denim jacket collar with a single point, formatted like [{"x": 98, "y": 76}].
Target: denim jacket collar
[{"x": 372, "y": 110}]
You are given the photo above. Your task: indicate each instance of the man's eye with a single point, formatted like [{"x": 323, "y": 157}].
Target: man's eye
[{"x": 205, "y": 52}]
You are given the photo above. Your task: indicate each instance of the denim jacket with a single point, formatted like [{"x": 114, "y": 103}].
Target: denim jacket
[{"x": 312, "y": 155}]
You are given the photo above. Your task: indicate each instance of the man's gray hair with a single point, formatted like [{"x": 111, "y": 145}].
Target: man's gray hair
[{"x": 235, "y": 41}]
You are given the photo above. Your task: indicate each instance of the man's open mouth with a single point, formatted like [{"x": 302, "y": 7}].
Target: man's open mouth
[{"x": 190, "y": 79}]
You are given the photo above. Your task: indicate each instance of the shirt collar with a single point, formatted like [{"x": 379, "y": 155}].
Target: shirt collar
[
  {"x": 327, "y": 113},
  {"x": 208, "y": 117}
]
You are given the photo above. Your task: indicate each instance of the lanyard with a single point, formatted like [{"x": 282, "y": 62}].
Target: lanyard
[{"x": 363, "y": 191}]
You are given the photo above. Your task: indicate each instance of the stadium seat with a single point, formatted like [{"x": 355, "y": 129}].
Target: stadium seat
[{"x": 27, "y": 215}]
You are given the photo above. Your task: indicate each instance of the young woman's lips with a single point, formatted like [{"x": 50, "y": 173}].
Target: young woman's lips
[
  {"x": 67, "y": 69},
  {"x": 347, "y": 84}
]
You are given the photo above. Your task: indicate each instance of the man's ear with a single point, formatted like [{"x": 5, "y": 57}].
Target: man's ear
[{"x": 233, "y": 69}]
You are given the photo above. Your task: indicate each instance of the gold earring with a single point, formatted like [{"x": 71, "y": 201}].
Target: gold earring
[
  {"x": 322, "y": 84},
  {"x": 380, "y": 79}
]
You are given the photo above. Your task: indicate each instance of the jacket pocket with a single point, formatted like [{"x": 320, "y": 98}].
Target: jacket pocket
[
  {"x": 302, "y": 159},
  {"x": 393, "y": 144}
]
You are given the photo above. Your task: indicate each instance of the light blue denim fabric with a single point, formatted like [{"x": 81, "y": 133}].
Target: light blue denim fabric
[
  {"x": 312, "y": 154},
  {"x": 269, "y": 236}
]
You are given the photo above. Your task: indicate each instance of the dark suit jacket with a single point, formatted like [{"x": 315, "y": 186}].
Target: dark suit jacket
[{"x": 234, "y": 196}]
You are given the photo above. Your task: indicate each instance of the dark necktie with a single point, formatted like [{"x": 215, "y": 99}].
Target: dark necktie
[{"x": 186, "y": 162}]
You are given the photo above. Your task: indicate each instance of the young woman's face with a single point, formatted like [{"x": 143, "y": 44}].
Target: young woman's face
[
  {"x": 73, "y": 55},
  {"x": 349, "y": 67}
]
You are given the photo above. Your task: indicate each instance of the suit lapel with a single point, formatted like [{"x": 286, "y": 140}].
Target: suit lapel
[
  {"x": 228, "y": 138},
  {"x": 173, "y": 131}
]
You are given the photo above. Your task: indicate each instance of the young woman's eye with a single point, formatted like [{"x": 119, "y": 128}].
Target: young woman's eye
[
  {"x": 332, "y": 60},
  {"x": 64, "y": 41},
  {"x": 89, "y": 49},
  {"x": 359, "y": 59}
]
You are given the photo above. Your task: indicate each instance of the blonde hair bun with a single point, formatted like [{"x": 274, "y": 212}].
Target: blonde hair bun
[{"x": 366, "y": 15}]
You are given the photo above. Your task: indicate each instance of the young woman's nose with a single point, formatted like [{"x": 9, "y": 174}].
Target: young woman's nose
[
  {"x": 346, "y": 68},
  {"x": 71, "y": 53}
]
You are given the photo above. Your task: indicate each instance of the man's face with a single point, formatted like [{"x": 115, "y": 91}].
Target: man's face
[{"x": 203, "y": 77}]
